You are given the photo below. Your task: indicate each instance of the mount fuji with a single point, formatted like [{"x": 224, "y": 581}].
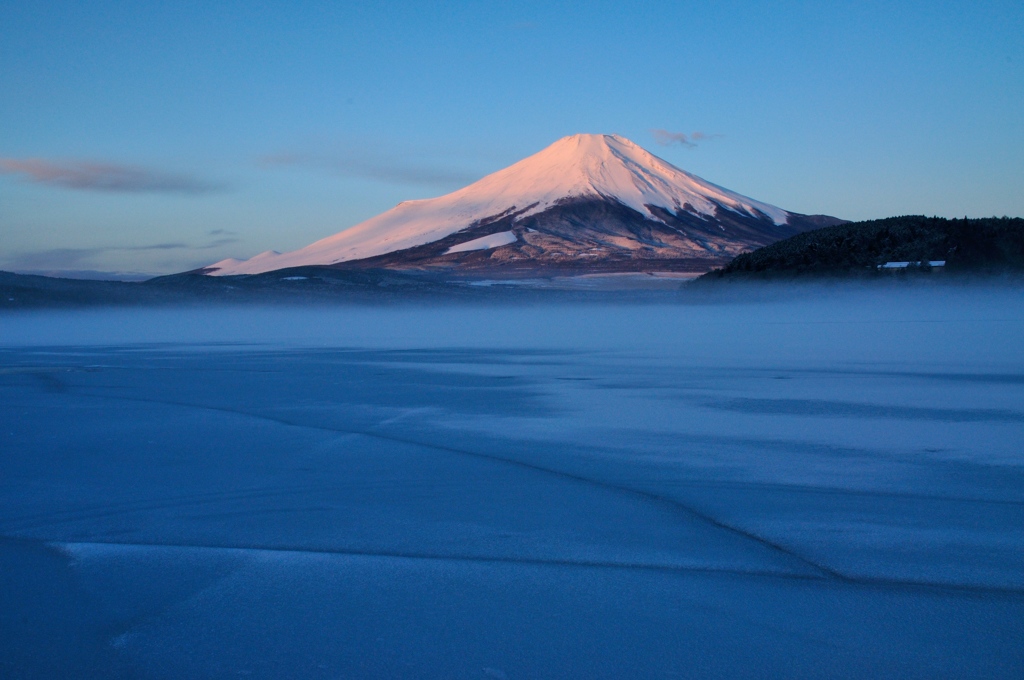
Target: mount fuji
[{"x": 587, "y": 203}]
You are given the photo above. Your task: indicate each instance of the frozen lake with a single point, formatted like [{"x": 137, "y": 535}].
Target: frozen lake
[{"x": 824, "y": 484}]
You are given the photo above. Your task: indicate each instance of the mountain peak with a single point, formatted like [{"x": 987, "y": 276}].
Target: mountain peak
[
  {"x": 587, "y": 144},
  {"x": 613, "y": 167}
]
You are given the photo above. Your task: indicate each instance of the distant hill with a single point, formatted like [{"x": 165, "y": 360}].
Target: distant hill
[
  {"x": 294, "y": 286},
  {"x": 988, "y": 245}
]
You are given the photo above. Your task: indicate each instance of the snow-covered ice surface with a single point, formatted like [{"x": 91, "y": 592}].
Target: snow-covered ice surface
[
  {"x": 585, "y": 165},
  {"x": 828, "y": 485}
]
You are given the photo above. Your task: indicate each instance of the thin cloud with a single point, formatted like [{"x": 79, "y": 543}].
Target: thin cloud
[
  {"x": 690, "y": 141},
  {"x": 55, "y": 258},
  {"x": 99, "y": 176},
  {"x": 217, "y": 243},
  {"x": 73, "y": 258},
  {"x": 284, "y": 159},
  {"x": 380, "y": 169},
  {"x": 155, "y": 246}
]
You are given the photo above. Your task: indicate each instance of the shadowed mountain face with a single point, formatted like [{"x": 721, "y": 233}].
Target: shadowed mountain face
[
  {"x": 598, "y": 235},
  {"x": 587, "y": 203}
]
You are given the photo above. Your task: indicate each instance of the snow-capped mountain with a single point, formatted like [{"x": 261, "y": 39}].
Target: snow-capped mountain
[{"x": 587, "y": 202}]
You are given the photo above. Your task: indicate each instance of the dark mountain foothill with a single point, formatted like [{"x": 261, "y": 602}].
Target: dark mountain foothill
[
  {"x": 987, "y": 246},
  {"x": 596, "y": 235},
  {"x": 301, "y": 285}
]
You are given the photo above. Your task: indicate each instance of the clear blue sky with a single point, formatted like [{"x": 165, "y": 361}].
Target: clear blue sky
[{"x": 160, "y": 136}]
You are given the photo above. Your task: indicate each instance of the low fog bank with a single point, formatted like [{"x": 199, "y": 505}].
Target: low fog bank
[
  {"x": 319, "y": 286},
  {"x": 801, "y": 323}
]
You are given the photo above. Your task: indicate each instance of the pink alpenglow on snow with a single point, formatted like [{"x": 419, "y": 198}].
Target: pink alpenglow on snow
[{"x": 584, "y": 166}]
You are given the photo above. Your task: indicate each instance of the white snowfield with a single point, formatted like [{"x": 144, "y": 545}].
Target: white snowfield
[
  {"x": 485, "y": 242},
  {"x": 584, "y": 165}
]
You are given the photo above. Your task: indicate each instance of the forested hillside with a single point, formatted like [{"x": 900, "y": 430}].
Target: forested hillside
[{"x": 988, "y": 245}]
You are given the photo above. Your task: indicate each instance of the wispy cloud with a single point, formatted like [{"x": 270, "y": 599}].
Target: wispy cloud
[
  {"x": 101, "y": 176},
  {"x": 217, "y": 243},
  {"x": 54, "y": 258},
  {"x": 668, "y": 138},
  {"x": 75, "y": 258},
  {"x": 381, "y": 168}
]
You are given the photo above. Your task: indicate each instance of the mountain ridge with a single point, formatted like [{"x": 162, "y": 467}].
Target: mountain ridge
[{"x": 584, "y": 202}]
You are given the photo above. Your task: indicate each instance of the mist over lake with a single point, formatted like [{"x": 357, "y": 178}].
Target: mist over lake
[{"x": 815, "y": 482}]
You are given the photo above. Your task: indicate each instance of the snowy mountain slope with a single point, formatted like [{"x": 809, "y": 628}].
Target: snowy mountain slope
[
  {"x": 502, "y": 238},
  {"x": 660, "y": 200}
]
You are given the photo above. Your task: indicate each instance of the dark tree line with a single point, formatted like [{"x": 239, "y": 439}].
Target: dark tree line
[{"x": 986, "y": 245}]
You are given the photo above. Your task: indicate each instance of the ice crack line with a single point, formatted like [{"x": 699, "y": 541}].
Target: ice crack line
[
  {"x": 551, "y": 562},
  {"x": 445, "y": 557},
  {"x": 816, "y": 567}
]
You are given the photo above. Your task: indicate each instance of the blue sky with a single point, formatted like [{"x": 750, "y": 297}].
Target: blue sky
[{"x": 160, "y": 136}]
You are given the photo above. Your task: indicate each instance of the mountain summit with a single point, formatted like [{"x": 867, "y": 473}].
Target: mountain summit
[{"x": 585, "y": 203}]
